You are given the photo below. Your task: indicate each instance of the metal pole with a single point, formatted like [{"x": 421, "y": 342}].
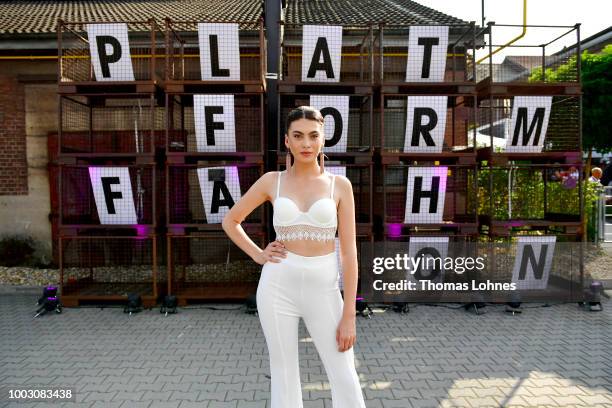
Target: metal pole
[
  {"x": 483, "y": 13},
  {"x": 272, "y": 22}
]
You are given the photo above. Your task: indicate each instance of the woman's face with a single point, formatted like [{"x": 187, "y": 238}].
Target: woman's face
[{"x": 305, "y": 139}]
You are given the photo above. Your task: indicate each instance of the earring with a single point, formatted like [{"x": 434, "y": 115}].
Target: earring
[
  {"x": 322, "y": 161},
  {"x": 288, "y": 160}
]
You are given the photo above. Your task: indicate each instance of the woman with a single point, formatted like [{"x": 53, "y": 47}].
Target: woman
[{"x": 299, "y": 276}]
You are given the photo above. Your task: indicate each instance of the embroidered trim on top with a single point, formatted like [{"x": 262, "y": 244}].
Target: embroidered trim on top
[{"x": 302, "y": 231}]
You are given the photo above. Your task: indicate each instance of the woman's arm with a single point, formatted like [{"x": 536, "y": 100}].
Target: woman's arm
[
  {"x": 348, "y": 245},
  {"x": 253, "y": 198}
]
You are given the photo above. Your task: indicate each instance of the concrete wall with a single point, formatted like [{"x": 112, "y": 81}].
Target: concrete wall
[{"x": 28, "y": 214}]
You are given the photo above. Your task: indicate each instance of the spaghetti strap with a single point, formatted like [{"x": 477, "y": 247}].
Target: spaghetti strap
[
  {"x": 332, "y": 186},
  {"x": 278, "y": 184}
]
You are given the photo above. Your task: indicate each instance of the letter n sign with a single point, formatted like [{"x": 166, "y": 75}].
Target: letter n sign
[
  {"x": 214, "y": 123},
  {"x": 321, "y": 52},
  {"x": 220, "y": 189},
  {"x": 528, "y": 124},
  {"x": 427, "y": 47},
  {"x": 110, "y": 51},
  {"x": 112, "y": 192},
  {"x": 425, "y": 124},
  {"x": 425, "y": 195},
  {"x": 219, "y": 51},
  {"x": 533, "y": 262}
]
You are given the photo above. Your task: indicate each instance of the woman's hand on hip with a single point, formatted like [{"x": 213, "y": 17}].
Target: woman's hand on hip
[
  {"x": 273, "y": 250},
  {"x": 346, "y": 333}
]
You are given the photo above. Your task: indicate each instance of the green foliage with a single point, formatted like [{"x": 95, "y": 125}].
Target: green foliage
[
  {"x": 527, "y": 197},
  {"x": 524, "y": 195},
  {"x": 597, "y": 99},
  {"x": 596, "y": 76},
  {"x": 16, "y": 250},
  {"x": 592, "y": 193}
]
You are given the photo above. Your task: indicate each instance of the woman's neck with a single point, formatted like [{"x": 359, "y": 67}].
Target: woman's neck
[{"x": 305, "y": 170}]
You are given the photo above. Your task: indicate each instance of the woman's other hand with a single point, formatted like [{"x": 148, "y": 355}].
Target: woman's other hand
[
  {"x": 274, "y": 249},
  {"x": 346, "y": 333}
]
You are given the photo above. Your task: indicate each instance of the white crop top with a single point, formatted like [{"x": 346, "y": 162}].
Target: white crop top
[{"x": 319, "y": 223}]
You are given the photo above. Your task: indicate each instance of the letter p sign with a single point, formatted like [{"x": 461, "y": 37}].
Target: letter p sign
[{"x": 110, "y": 51}]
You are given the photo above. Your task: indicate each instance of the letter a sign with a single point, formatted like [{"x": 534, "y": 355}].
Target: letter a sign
[{"x": 321, "y": 47}]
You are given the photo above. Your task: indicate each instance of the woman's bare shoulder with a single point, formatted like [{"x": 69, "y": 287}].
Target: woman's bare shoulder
[
  {"x": 342, "y": 182},
  {"x": 343, "y": 186},
  {"x": 267, "y": 183}
]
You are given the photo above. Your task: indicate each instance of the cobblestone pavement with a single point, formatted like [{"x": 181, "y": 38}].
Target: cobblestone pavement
[{"x": 557, "y": 356}]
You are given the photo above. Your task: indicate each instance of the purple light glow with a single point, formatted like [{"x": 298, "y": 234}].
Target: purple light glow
[
  {"x": 141, "y": 231},
  {"x": 394, "y": 230}
]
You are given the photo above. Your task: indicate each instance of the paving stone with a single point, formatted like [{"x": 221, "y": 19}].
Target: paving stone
[{"x": 437, "y": 357}]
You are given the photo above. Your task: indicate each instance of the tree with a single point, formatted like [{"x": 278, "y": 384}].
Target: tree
[{"x": 596, "y": 76}]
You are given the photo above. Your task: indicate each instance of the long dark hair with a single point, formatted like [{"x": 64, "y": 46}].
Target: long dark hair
[{"x": 304, "y": 112}]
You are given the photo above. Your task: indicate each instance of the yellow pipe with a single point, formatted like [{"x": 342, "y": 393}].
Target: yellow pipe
[
  {"x": 50, "y": 57},
  {"x": 511, "y": 41}
]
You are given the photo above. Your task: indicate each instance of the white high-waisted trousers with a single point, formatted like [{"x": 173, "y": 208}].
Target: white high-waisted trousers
[{"x": 306, "y": 287}]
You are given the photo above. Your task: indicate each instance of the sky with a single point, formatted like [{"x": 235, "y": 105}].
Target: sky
[{"x": 594, "y": 16}]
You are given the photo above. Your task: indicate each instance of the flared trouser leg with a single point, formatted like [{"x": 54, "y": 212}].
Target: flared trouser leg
[{"x": 305, "y": 287}]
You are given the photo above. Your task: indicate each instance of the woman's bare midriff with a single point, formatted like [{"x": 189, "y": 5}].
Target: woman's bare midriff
[{"x": 309, "y": 247}]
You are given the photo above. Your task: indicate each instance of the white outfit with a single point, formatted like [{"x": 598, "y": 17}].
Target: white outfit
[{"x": 306, "y": 287}]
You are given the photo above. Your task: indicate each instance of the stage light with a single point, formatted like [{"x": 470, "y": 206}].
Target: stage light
[
  {"x": 476, "y": 305},
  {"x": 363, "y": 308},
  {"x": 49, "y": 301},
  {"x": 401, "y": 307},
  {"x": 169, "y": 304},
  {"x": 592, "y": 297},
  {"x": 251, "y": 304},
  {"x": 514, "y": 303},
  {"x": 134, "y": 304}
]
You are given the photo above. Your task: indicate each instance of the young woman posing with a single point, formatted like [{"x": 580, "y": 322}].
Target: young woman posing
[{"x": 299, "y": 277}]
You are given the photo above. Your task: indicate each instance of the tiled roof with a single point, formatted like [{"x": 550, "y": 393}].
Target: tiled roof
[
  {"x": 524, "y": 61},
  {"x": 40, "y": 17},
  {"x": 364, "y": 11}
]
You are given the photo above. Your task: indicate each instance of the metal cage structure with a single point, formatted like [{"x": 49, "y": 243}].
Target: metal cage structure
[
  {"x": 563, "y": 137},
  {"x": 209, "y": 266},
  {"x": 565, "y": 278},
  {"x": 524, "y": 197},
  {"x": 110, "y": 124},
  {"x": 457, "y": 214},
  {"x": 95, "y": 196},
  {"x": 146, "y": 47},
  {"x": 107, "y": 268},
  {"x": 190, "y": 186},
  {"x": 397, "y": 128},
  {"x": 241, "y": 139},
  {"x": 528, "y": 61},
  {"x": 184, "y": 61},
  {"x": 356, "y": 59}
]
